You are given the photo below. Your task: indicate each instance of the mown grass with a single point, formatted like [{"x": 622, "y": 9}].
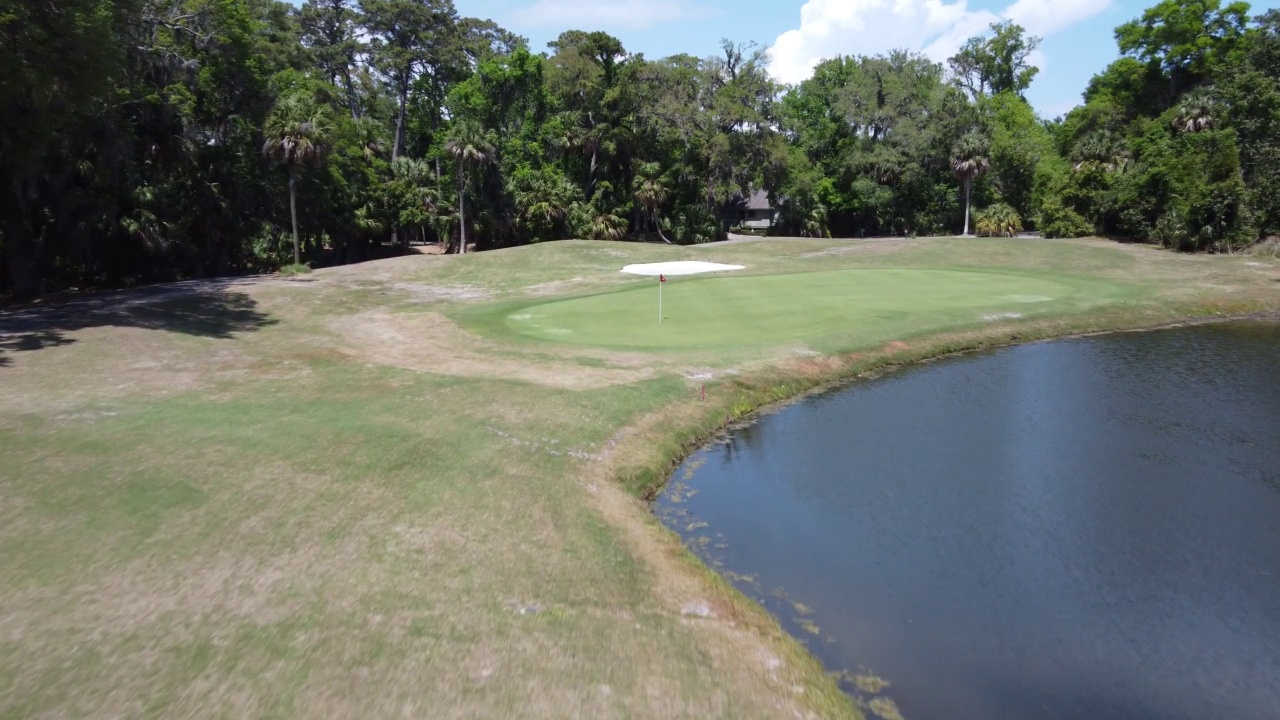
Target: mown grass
[
  {"x": 370, "y": 496},
  {"x": 754, "y": 311}
]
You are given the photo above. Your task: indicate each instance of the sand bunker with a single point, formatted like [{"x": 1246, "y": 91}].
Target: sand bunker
[{"x": 678, "y": 267}]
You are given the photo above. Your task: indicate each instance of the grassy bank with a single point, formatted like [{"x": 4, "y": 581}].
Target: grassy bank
[{"x": 371, "y": 490}]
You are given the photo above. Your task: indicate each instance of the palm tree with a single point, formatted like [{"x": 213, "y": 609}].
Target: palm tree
[
  {"x": 1195, "y": 113},
  {"x": 298, "y": 132},
  {"x": 969, "y": 161},
  {"x": 369, "y": 137},
  {"x": 564, "y": 133},
  {"x": 542, "y": 200},
  {"x": 1101, "y": 148},
  {"x": 815, "y": 222},
  {"x": 469, "y": 145},
  {"x": 651, "y": 193},
  {"x": 414, "y": 195},
  {"x": 547, "y": 200},
  {"x": 607, "y": 226},
  {"x": 443, "y": 219}
]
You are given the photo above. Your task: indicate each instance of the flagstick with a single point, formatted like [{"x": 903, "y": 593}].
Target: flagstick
[{"x": 660, "y": 284}]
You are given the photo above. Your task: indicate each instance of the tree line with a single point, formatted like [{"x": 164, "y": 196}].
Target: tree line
[{"x": 144, "y": 140}]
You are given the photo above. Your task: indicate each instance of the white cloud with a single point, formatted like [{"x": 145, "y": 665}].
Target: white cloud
[
  {"x": 1046, "y": 17},
  {"x": 934, "y": 27},
  {"x": 616, "y": 14},
  {"x": 1057, "y": 109}
]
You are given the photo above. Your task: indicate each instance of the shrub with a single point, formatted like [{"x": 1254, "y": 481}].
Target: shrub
[
  {"x": 998, "y": 219},
  {"x": 1057, "y": 220},
  {"x": 1269, "y": 248},
  {"x": 271, "y": 246},
  {"x": 291, "y": 269},
  {"x": 1191, "y": 192},
  {"x": 1171, "y": 231},
  {"x": 693, "y": 226}
]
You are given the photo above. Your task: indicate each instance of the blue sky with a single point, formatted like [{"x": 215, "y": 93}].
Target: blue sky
[{"x": 1077, "y": 34}]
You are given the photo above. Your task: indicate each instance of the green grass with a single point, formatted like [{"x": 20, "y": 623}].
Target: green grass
[
  {"x": 378, "y": 492},
  {"x": 744, "y": 311}
]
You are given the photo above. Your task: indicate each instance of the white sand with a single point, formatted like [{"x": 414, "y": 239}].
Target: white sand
[{"x": 678, "y": 267}]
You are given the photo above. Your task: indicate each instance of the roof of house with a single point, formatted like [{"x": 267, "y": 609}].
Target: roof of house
[{"x": 759, "y": 200}]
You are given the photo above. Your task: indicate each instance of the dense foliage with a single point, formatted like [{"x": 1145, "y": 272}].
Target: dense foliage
[
  {"x": 1176, "y": 142},
  {"x": 154, "y": 139}
]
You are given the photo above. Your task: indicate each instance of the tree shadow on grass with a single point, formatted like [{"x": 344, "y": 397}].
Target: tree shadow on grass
[{"x": 204, "y": 308}]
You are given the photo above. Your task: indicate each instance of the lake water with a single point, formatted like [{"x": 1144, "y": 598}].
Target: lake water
[{"x": 1087, "y": 528}]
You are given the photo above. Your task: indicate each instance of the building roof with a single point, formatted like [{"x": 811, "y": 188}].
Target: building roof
[{"x": 759, "y": 200}]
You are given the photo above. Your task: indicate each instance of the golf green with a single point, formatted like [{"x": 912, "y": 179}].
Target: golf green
[{"x": 734, "y": 311}]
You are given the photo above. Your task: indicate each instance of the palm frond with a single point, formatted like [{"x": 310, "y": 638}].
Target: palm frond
[
  {"x": 298, "y": 131},
  {"x": 969, "y": 157}
]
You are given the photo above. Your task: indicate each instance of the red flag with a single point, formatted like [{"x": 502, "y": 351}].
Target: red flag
[{"x": 662, "y": 278}]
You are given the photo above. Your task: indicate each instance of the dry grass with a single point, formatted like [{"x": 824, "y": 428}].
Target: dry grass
[
  {"x": 331, "y": 497},
  {"x": 431, "y": 342}
]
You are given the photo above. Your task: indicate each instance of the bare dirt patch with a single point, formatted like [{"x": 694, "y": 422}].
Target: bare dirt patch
[
  {"x": 815, "y": 366},
  {"x": 431, "y": 342},
  {"x": 555, "y": 287},
  {"x": 864, "y": 247},
  {"x": 388, "y": 266},
  {"x": 436, "y": 293}
]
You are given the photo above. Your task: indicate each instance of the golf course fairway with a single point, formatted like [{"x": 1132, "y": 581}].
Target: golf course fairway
[
  {"x": 416, "y": 487},
  {"x": 735, "y": 310}
]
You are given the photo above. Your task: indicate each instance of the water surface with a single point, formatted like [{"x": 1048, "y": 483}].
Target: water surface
[{"x": 1086, "y": 528}]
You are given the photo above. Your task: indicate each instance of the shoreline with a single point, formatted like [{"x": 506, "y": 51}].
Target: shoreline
[
  {"x": 687, "y": 429},
  {"x": 759, "y": 391},
  {"x": 877, "y": 371}
]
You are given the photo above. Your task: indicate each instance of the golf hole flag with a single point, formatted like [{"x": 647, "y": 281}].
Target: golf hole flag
[
  {"x": 662, "y": 279},
  {"x": 675, "y": 267}
]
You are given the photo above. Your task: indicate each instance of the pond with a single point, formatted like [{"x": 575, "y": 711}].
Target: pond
[{"x": 1086, "y": 528}]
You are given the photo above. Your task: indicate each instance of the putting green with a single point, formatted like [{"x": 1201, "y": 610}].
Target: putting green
[{"x": 731, "y": 311}]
